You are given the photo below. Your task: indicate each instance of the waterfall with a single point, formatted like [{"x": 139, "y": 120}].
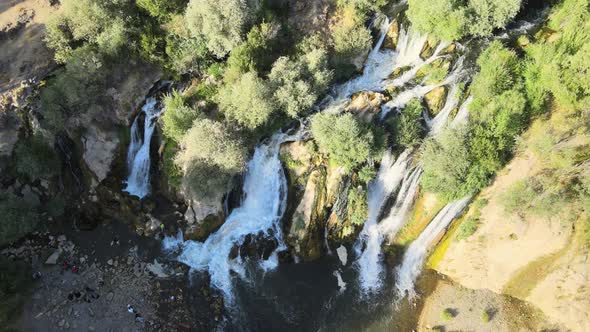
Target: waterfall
[
  {"x": 138, "y": 154},
  {"x": 265, "y": 193},
  {"x": 411, "y": 265},
  {"x": 369, "y": 262}
]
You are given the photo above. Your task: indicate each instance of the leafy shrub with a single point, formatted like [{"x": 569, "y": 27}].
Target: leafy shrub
[
  {"x": 177, "y": 118},
  {"x": 447, "y": 314},
  {"x": 467, "y": 228},
  {"x": 162, "y": 8},
  {"x": 185, "y": 53},
  {"x": 210, "y": 155},
  {"x": 357, "y": 206},
  {"x": 345, "y": 139},
  {"x": 35, "y": 159},
  {"x": 222, "y": 23},
  {"x": 350, "y": 39},
  {"x": 486, "y": 317},
  {"x": 409, "y": 129},
  {"x": 247, "y": 101},
  {"x": 367, "y": 173}
]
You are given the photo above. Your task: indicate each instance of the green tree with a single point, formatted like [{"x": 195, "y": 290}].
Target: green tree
[
  {"x": 177, "y": 118},
  {"x": 222, "y": 23},
  {"x": 445, "y": 19},
  {"x": 210, "y": 155},
  {"x": 350, "y": 38},
  {"x": 345, "y": 139},
  {"x": 486, "y": 15},
  {"x": 162, "y": 8},
  {"x": 248, "y": 101},
  {"x": 409, "y": 129}
]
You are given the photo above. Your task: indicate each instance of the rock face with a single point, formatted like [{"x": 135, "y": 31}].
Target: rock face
[
  {"x": 203, "y": 215},
  {"x": 435, "y": 100},
  {"x": 309, "y": 16},
  {"x": 99, "y": 150},
  {"x": 392, "y": 36}
]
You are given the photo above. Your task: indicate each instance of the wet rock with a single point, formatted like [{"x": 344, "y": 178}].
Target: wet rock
[
  {"x": 392, "y": 35},
  {"x": 435, "y": 100},
  {"x": 428, "y": 48},
  {"x": 297, "y": 158},
  {"x": 366, "y": 104},
  {"x": 110, "y": 296},
  {"x": 157, "y": 269},
  {"x": 342, "y": 254}
]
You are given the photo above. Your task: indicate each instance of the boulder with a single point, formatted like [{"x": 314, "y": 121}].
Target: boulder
[
  {"x": 52, "y": 259},
  {"x": 366, "y": 104},
  {"x": 435, "y": 100},
  {"x": 297, "y": 158},
  {"x": 203, "y": 215},
  {"x": 428, "y": 48},
  {"x": 392, "y": 35},
  {"x": 100, "y": 147}
]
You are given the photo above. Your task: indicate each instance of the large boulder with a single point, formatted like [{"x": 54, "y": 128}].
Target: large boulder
[
  {"x": 366, "y": 104},
  {"x": 435, "y": 100},
  {"x": 203, "y": 215},
  {"x": 100, "y": 147},
  {"x": 392, "y": 36}
]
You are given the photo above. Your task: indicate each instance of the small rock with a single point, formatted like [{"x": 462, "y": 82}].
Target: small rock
[
  {"x": 91, "y": 312},
  {"x": 61, "y": 323},
  {"x": 110, "y": 296},
  {"x": 52, "y": 260},
  {"x": 61, "y": 238},
  {"x": 110, "y": 262}
]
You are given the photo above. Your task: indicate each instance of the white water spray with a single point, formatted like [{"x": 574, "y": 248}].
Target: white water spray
[
  {"x": 414, "y": 257},
  {"x": 265, "y": 191},
  {"x": 138, "y": 154}
]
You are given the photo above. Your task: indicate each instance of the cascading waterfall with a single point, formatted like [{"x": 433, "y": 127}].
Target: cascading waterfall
[
  {"x": 138, "y": 154},
  {"x": 369, "y": 261},
  {"x": 265, "y": 193},
  {"x": 411, "y": 265}
]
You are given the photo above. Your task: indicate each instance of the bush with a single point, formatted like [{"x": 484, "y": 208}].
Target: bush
[
  {"x": 222, "y": 23},
  {"x": 467, "y": 228},
  {"x": 177, "y": 118},
  {"x": 15, "y": 281},
  {"x": 446, "y": 163},
  {"x": 452, "y": 19},
  {"x": 486, "y": 317},
  {"x": 248, "y": 101},
  {"x": 162, "y": 9},
  {"x": 447, "y": 314},
  {"x": 367, "y": 173},
  {"x": 409, "y": 129},
  {"x": 210, "y": 155},
  {"x": 85, "y": 21},
  {"x": 255, "y": 54},
  {"x": 344, "y": 138},
  {"x": 35, "y": 159},
  {"x": 350, "y": 38},
  {"x": 185, "y": 53},
  {"x": 357, "y": 207}
]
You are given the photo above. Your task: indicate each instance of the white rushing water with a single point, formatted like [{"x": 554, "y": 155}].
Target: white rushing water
[
  {"x": 138, "y": 154},
  {"x": 414, "y": 257},
  {"x": 260, "y": 212}
]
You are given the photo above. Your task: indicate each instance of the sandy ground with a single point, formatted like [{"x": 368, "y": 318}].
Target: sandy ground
[
  {"x": 24, "y": 55},
  {"x": 468, "y": 306}
]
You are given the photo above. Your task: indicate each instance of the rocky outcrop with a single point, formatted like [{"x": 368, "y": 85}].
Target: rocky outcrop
[
  {"x": 100, "y": 147},
  {"x": 203, "y": 215},
  {"x": 435, "y": 100},
  {"x": 309, "y": 16},
  {"x": 366, "y": 104},
  {"x": 392, "y": 36},
  {"x": 428, "y": 48}
]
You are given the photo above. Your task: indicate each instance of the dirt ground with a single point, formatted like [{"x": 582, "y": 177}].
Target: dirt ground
[{"x": 114, "y": 269}]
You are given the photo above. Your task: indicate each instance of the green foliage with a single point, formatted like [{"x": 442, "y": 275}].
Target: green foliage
[
  {"x": 298, "y": 83},
  {"x": 86, "y": 21},
  {"x": 367, "y": 173},
  {"x": 247, "y": 101},
  {"x": 409, "y": 130},
  {"x": 35, "y": 159},
  {"x": 447, "y": 314},
  {"x": 177, "y": 118},
  {"x": 363, "y": 6},
  {"x": 210, "y": 155},
  {"x": 445, "y": 19},
  {"x": 350, "y": 38},
  {"x": 486, "y": 317},
  {"x": 255, "y": 54},
  {"x": 162, "y": 8},
  {"x": 357, "y": 207},
  {"x": 17, "y": 218},
  {"x": 453, "y": 19},
  {"x": 185, "y": 53},
  {"x": 446, "y": 163},
  {"x": 345, "y": 139},
  {"x": 558, "y": 66},
  {"x": 467, "y": 228},
  {"x": 171, "y": 169},
  {"x": 78, "y": 88},
  {"x": 222, "y": 23},
  {"x": 15, "y": 281}
]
